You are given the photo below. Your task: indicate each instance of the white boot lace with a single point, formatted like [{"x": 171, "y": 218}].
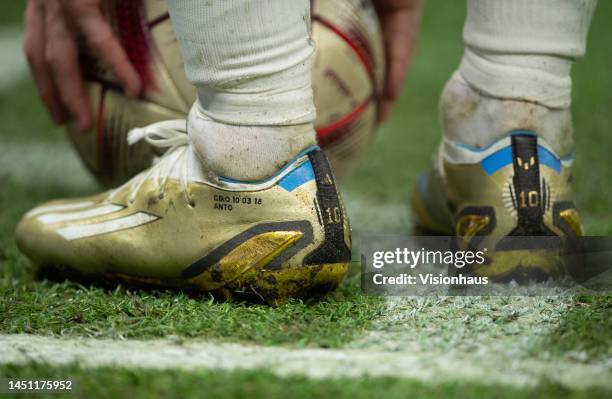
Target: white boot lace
[{"x": 172, "y": 135}]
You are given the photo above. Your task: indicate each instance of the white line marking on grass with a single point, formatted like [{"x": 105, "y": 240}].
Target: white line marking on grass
[
  {"x": 13, "y": 67},
  {"x": 504, "y": 326},
  {"x": 494, "y": 337},
  {"x": 313, "y": 363}
]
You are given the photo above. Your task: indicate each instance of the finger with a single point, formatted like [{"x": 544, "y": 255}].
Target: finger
[
  {"x": 399, "y": 21},
  {"x": 34, "y": 49},
  {"x": 102, "y": 40},
  {"x": 61, "y": 54},
  {"x": 400, "y": 37}
]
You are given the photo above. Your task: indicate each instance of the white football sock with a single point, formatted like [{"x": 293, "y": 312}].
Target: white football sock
[
  {"x": 515, "y": 71},
  {"x": 251, "y": 65},
  {"x": 476, "y": 119},
  {"x": 524, "y": 49}
]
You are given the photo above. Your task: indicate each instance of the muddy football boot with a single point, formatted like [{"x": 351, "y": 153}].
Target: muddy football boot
[
  {"x": 515, "y": 187},
  {"x": 176, "y": 225}
]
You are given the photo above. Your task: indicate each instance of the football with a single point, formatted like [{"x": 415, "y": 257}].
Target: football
[{"x": 348, "y": 73}]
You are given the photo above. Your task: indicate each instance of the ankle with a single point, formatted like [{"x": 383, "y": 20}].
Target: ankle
[
  {"x": 473, "y": 118},
  {"x": 246, "y": 152}
]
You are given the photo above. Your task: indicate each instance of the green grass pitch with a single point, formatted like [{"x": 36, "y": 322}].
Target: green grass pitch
[{"x": 37, "y": 164}]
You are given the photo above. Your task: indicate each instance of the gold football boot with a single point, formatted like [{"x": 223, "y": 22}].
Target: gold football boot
[
  {"x": 490, "y": 197},
  {"x": 176, "y": 225}
]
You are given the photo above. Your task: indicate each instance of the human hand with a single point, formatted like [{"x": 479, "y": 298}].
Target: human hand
[
  {"x": 399, "y": 21},
  {"x": 50, "y": 46}
]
